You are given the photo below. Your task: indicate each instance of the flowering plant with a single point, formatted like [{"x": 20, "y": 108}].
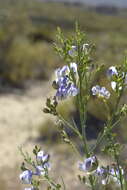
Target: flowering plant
[{"x": 75, "y": 79}]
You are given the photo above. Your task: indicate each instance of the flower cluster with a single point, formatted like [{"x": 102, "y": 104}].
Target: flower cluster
[
  {"x": 43, "y": 164},
  {"x": 63, "y": 83},
  {"x": 109, "y": 174},
  {"x": 40, "y": 168},
  {"x": 74, "y": 50},
  {"x": 101, "y": 92},
  {"x": 119, "y": 78},
  {"x": 104, "y": 175},
  {"x": 73, "y": 79}
]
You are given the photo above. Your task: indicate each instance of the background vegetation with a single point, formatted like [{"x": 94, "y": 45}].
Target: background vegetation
[
  {"x": 27, "y": 33},
  {"x": 28, "y": 29}
]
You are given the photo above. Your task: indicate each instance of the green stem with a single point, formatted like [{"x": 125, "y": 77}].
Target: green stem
[
  {"x": 70, "y": 126},
  {"x": 91, "y": 182},
  {"x": 82, "y": 115},
  {"x": 51, "y": 183},
  {"x": 76, "y": 131},
  {"x": 120, "y": 174},
  {"x": 110, "y": 124},
  {"x": 99, "y": 140}
]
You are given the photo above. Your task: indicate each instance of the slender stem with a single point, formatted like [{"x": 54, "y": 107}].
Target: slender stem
[
  {"x": 91, "y": 182},
  {"x": 51, "y": 183},
  {"x": 74, "y": 148},
  {"x": 70, "y": 126},
  {"x": 104, "y": 135},
  {"x": 76, "y": 131},
  {"x": 110, "y": 123},
  {"x": 82, "y": 114},
  {"x": 120, "y": 174},
  {"x": 82, "y": 103}
]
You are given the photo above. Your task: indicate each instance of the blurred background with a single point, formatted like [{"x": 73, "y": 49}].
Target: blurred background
[{"x": 27, "y": 63}]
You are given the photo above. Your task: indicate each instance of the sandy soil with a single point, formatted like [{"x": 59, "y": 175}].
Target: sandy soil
[{"x": 20, "y": 115}]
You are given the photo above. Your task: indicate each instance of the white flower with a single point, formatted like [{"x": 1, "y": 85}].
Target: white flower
[
  {"x": 26, "y": 177},
  {"x": 114, "y": 85},
  {"x": 85, "y": 47}
]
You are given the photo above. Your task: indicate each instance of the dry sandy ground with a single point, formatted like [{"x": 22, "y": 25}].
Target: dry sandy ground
[{"x": 20, "y": 114}]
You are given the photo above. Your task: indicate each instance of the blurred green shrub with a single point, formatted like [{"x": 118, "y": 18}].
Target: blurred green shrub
[
  {"x": 23, "y": 55},
  {"x": 27, "y": 30}
]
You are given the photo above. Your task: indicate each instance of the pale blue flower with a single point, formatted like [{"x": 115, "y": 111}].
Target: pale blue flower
[
  {"x": 63, "y": 81},
  {"x": 63, "y": 85},
  {"x": 66, "y": 91},
  {"x": 62, "y": 92},
  {"x": 104, "y": 93},
  {"x": 61, "y": 72},
  {"x": 115, "y": 174},
  {"x": 101, "y": 92},
  {"x": 112, "y": 71},
  {"x": 41, "y": 156},
  {"x": 89, "y": 164},
  {"x": 73, "y": 51},
  {"x": 102, "y": 174},
  {"x": 26, "y": 176},
  {"x": 96, "y": 89},
  {"x": 72, "y": 90},
  {"x": 41, "y": 169}
]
